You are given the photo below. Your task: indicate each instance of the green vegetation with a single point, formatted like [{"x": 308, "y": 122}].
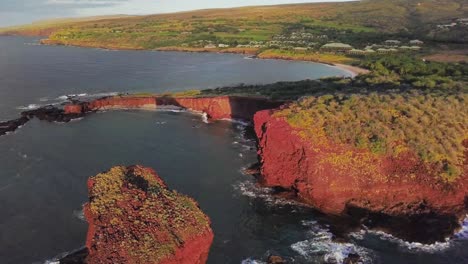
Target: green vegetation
[
  {"x": 430, "y": 125},
  {"x": 412, "y": 71},
  {"x": 356, "y": 23},
  {"x": 152, "y": 220}
]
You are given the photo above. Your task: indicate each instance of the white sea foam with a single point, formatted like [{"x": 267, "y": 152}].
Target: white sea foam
[
  {"x": 29, "y": 107},
  {"x": 63, "y": 97},
  {"x": 237, "y": 121},
  {"x": 463, "y": 233},
  {"x": 52, "y": 262},
  {"x": 250, "y": 189},
  {"x": 79, "y": 214},
  {"x": 205, "y": 118},
  {"x": 170, "y": 108},
  {"x": 415, "y": 246},
  {"x": 320, "y": 246},
  {"x": 252, "y": 261},
  {"x": 85, "y": 95},
  {"x": 56, "y": 259}
]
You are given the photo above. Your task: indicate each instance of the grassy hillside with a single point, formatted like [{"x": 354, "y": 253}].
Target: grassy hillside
[
  {"x": 390, "y": 124},
  {"x": 358, "y": 23}
]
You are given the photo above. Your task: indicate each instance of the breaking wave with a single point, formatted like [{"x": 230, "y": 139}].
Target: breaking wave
[
  {"x": 321, "y": 247},
  {"x": 84, "y": 95},
  {"x": 29, "y": 107},
  {"x": 252, "y": 261},
  {"x": 79, "y": 214},
  {"x": 250, "y": 189},
  {"x": 415, "y": 246},
  {"x": 205, "y": 118},
  {"x": 237, "y": 121}
]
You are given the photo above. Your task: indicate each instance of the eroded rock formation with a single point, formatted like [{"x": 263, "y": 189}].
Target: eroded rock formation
[
  {"x": 397, "y": 194},
  {"x": 134, "y": 218},
  {"x": 221, "y": 107}
]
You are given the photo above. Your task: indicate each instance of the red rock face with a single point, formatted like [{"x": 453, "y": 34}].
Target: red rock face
[
  {"x": 134, "y": 218},
  {"x": 340, "y": 180},
  {"x": 223, "y": 107}
]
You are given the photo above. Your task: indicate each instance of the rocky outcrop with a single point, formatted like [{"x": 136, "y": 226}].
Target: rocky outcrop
[
  {"x": 397, "y": 194},
  {"x": 134, "y": 218},
  {"x": 221, "y": 107},
  {"x": 47, "y": 113},
  {"x": 10, "y": 126}
]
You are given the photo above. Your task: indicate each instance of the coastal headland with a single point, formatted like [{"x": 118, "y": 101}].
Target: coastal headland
[{"x": 401, "y": 194}]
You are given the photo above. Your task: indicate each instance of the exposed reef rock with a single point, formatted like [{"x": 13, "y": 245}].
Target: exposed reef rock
[
  {"x": 51, "y": 114},
  {"x": 222, "y": 107},
  {"x": 398, "y": 195},
  {"x": 12, "y": 125},
  {"x": 47, "y": 113},
  {"x": 134, "y": 218}
]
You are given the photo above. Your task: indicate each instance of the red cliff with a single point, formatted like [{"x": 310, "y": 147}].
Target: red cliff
[
  {"x": 222, "y": 107},
  {"x": 396, "y": 194},
  {"x": 134, "y": 218}
]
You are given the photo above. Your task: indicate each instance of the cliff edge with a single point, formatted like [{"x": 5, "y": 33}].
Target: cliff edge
[{"x": 383, "y": 185}]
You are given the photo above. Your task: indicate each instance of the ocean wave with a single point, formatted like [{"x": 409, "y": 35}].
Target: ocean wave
[
  {"x": 170, "y": 108},
  {"x": 237, "y": 121},
  {"x": 321, "y": 247},
  {"x": 415, "y": 246},
  {"x": 79, "y": 214},
  {"x": 463, "y": 233},
  {"x": 252, "y": 261},
  {"x": 205, "y": 118},
  {"x": 85, "y": 95},
  {"x": 29, "y": 107},
  {"x": 56, "y": 259},
  {"x": 252, "y": 190}
]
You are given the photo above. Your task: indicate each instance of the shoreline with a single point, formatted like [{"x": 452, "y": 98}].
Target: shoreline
[
  {"x": 354, "y": 70},
  {"x": 252, "y": 52}
]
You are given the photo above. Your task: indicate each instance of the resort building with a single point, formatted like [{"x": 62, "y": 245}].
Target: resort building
[
  {"x": 386, "y": 51},
  {"x": 300, "y": 49},
  {"x": 392, "y": 42},
  {"x": 210, "y": 46},
  {"x": 416, "y": 42},
  {"x": 336, "y": 47}
]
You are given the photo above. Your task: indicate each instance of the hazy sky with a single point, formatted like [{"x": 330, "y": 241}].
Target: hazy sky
[{"x": 14, "y": 12}]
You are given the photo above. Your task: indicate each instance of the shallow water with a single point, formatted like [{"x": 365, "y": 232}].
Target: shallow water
[{"x": 44, "y": 168}]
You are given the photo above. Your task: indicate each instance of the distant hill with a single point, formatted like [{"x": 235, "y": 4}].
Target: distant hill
[{"x": 361, "y": 20}]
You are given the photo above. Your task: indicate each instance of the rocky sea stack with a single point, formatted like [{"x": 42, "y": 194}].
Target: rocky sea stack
[{"x": 134, "y": 218}]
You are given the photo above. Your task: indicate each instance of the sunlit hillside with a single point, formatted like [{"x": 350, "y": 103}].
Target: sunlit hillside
[{"x": 359, "y": 20}]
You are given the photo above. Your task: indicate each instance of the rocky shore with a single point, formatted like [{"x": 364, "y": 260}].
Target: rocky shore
[
  {"x": 216, "y": 108},
  {"x": 47, "y": 113},
  {"x": 396, "y": 194},
  {"x": 134, "y": 218}
]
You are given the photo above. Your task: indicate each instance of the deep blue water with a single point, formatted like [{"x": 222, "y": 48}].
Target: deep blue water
[{"x": 44, "y": 166}]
